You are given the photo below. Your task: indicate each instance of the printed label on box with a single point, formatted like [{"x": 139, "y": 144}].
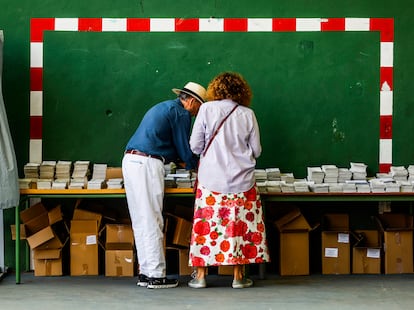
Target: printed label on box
[
  {"x": 91, "y": 239},
  {"x": 373, "y": 253},
  {"x": 331, "y": 252},
  {"x": 343, "y": 238}
]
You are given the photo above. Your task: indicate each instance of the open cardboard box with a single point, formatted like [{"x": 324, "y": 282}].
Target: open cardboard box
[{"x": 366, "y": 252}]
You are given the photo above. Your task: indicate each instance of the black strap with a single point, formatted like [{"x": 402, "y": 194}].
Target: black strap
[{"x": 218, "y": 128}]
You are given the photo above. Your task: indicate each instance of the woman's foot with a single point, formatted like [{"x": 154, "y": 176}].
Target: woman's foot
[
  {"x": 197, "y": 283},
  {"x": 243, "y": 283}
]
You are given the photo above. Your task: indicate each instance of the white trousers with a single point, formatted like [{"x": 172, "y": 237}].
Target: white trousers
[{"x": 144, "y": 187}]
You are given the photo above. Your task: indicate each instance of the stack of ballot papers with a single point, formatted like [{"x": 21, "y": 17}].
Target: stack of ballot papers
[
  {"x": 349, "y": 187},
  {"x": 410, "y": 169},
  {"x": 336, "y": 187},
  {"x": 99, "y": 171},
  {"x": 316, "y": 175},
  {"x": 344, "y": 174},
  {"x": 359, "y": 171},
  {"x": 301, "y": 185},
  {"x": 319, "y": 188},
  {"x": 80, "y": 169},
  {"x": 399, "y": 173},
  {"x": 363, "y": 187},
  {"x": 273, "y": 186},
  {"x": 260, "y": 175},
  {"x": 79, "y": 183},
  {"x": 96, "y": 183},
  {"x": 287, "y": 177},
  {"x": 115, "y": 183},
  {"x": 31, "y": 171},
  {"x": 261, "y": 186},
  {"x": 406, "y": 186},
  {"x": 392, "y": 187},
  {"x": 377, "y": 185},
  {"x": 273, "y": 174},
  {"x": 25, "y": 183},
  {"x": 183, "y": 182},
  {"x": 44, "y": 183},
  {"x": 47, "y": 169},
  {"x": 63, "y": 169},
  {"x": 169, "y": 182},
  {"x": 60, "y": 184},
  {"x": 331, "y": 173},
  {"x": 287, "y": 187}
]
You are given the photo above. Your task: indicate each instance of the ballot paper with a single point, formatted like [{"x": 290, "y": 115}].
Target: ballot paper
[{"x": 315, "y": 174}]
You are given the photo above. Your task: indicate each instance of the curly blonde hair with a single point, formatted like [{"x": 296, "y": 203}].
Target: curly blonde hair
[{"x": 230, "y": 85}]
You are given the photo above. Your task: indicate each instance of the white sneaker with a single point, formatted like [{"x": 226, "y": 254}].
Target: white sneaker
[
  {"x": 242, "y": 283},
  {"x": 197, "y": 283}
]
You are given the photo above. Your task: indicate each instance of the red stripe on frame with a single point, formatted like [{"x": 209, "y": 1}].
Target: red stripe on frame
[
  {"x": 386, "y": 76},
  {"x": 138, "y": 24},
  {"x": 386, "y": 127},
  {"x": 36, "y": 78},
  {"x": 187, "y": 24},
  {"x": 384, "y": 168},
  {"x": 385, "y": 26},
  {"x": 36, "y": 127},
  {"x": 235, "y": 24},
  {"x": 90, "y": 24},
  {"x": 38, "y": 26},
  {"x": 284, "y": 24},
  {"x": 333, "y": 24}
]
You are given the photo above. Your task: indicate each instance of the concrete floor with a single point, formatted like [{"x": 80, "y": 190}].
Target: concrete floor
[{"x": 299, "y": 292}]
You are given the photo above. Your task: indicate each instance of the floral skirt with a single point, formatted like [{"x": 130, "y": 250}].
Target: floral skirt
[{"x": 228, "y": 229}]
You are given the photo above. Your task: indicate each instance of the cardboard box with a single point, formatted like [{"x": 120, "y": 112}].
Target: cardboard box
[
  {"x": 225, "y": 270},
  {"x": 178, "y": 231},
  {"x": 40, "y": 237},
  {"x": 22, "y": 232},
  {"x": 366, "y": 252},
  {"x": 47, "y": 262},
  {"x": 397, "y": 238},
  {"x": 336, "y": 247},
  {"x": 84, "y": 247},
  {"x": 294, "y": 243},
  {"x": 119, "y": 250},
  {"x": 80, "y": 214},
  {"x": 114, "y": 173}
]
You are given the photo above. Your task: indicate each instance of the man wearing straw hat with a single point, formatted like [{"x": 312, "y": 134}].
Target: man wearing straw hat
[{"x": 162, "y": 136}]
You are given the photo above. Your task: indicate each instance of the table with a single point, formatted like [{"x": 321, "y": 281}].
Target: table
[{"x": 26, "y": 194}]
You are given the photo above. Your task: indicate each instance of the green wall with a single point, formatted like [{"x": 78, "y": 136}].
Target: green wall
[{"x": 316, "y": 95}]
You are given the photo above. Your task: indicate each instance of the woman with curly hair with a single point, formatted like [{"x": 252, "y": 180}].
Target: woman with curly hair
[{"x": 228, "y": 224}]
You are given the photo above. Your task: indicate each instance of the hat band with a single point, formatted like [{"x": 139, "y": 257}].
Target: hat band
[{"x": 193, "y": 94}]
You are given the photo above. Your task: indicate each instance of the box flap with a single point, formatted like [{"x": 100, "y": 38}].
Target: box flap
[
  {"x": 119, "y": 233},
  {"x": 55, "y": 215},
  {"x": 366, "y": 239},
  {"x": 84, "y": 227},
  {"x": 395, "y": 221},
  {"x": 40, "y": 237},
  {"x": 80, "y": 214},
  {"x": 47, "y": 254},
  {"x": 32, "y": 212},
  {"x": 293, "y": 221}
]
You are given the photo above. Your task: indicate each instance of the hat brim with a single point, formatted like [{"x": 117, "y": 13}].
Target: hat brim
[{"x": 188, "y": 92}]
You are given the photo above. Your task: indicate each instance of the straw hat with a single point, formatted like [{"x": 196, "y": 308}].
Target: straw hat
[{"x": 192, "y": 89}]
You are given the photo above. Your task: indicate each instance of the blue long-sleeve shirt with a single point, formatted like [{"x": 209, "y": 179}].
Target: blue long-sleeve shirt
[{"x": 165, "y": 131}]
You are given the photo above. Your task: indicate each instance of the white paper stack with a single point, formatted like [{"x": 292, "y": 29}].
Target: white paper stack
[
  {"x": 273, "y": 174},
  {"x": 60, "y": 184},
  {"x": 261, "y": 186},
  {"x": 392, "y": 187},
  {"x": 363, "y": 187},
  {"x": 96, "y": 183},
  {"x": 410, "y": 172},
  {"x": 25, "y": 183},
  {"x": 287, "y": 187},
  {"x": 406, "y": 186},
  {"x": 260, "y": 175},
  {"x": 336, "y": 187},
  {"x": 359, "y": 171},
  {"x": 273, "y": 186},
  {"x": 331, "y": 173},
  {"x": 63, "y": 169},
  {"x": 301, "y": 186},
  {"x": 78, "y": 183},
  {"x": 377, "y": 185},
  {"x": 99, "y": 171},
  {"x": 47, "y": 169},
  {"x": 115, "y": 183},
  {"x": 344, "y": 175},
  {"x": 319, "y": 188},
  {"x": 315, "y": 174},
  {"x": 183, "y": 182},
  {"x": 349, "y": 187},
  {"x": 31, "y": 171},
  {"x": 44, "y": 183},
  {"x": 287, "y": 178},
  {"x": 399, "y": 173},
  {"x": 80, "y": 169},
  {"x": 169, "y": 182}
]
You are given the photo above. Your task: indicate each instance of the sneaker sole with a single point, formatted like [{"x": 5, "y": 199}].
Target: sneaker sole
[
  {"x": 242, "y": 285},
  {"x": 142, "y": 284},
  {"x": 151, "y": 286},
  {"x": 197, "y": 285}
]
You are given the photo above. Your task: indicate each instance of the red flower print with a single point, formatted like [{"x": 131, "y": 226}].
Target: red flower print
[
  {"x": 249, "y": 251},
  {"x": 241, "y": 228},
  {"x": 224, "y": 197},
  {"x": 258, "y": 260},
  {"x": 214, "y": 235},
  {"x": 258, "y": 203},
  {"x": 213, "y": 243},
  {"x": 219, "y": 257},
  {"x": 202, "y": 228},
  {"x": 250, "y": 216},
  {"x": 205, "y": 250},
  {"x": 197, "y": 261},
  {"x": 251, "y": 194},
  {"x": 230, "y": 203},
  {"x": 224, "y": 245},
  {"x": 207, "y": 213},
  {"x": 198, "y": 193},
  {"x": 248, "y": 205},
  {"x": 224, "y": 222},
  {"x": 223, "y": 213},
  {"x": 240, "y": 202},
  {"x": 200, "y": 239},
  {"x": 231, "y": 229},
  {"x": 260, "y": 227},
  {"x": 257, "y": 238},
  {"x": 210, "y": 200}
]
